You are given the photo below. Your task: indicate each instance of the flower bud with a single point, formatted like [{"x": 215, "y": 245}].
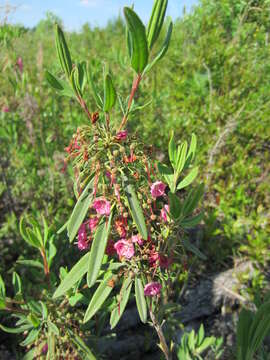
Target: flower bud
[
  {"x": 125, "y": 215},
  {"x": 149, "y": 201},
  {"x": 115, "y": 153},
  {"x": 122, "y": 149},
  {"x": 153, "y": 217}
]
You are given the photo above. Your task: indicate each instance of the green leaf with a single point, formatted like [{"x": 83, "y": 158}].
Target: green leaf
[
  {"x": 33, "y": 319},
  {"x": 62, "y": 228},
  {"x": 63, "y": 51},
  {"x": 167, "y": 175},
  {"x": 188, "y": 179},
  {"x": 16, "y": 330},
  {"x": 44, "y": 310},
  {"x": 31, "y": 337},
  {"x": 124, "y": 296},
  {"x": 51, "y": 346},
  {"x": 16, "y": 282},
  {"x": 97, "y": 97},
  {"x": 175, "y": 205},
  {"x": 74, "y": 275},
  {"x": 181, "y": 158},
  {"x": 200, "y": 335},
  {"x": 191, "y": 222},
  {"x": 29, "y": 237},
  {"x": 139, "y": 47},
  {"x": 162, "y": 51},
  {"x": 75, "y": 82},
  {"x": 53, "y": 81},
  {"x": 31, "y": 354},
  {"x": 61, "y": 86},
  {"x": 172, "y": 151},
  {"x": 109, "y": 93},
  {"x": 136, "y": 210},
  {"x": 80, "y": 210},
  {"x": 82, "y": 75},
  {"x": 98, "y": 249},
  {"x": 192, "y": 199},
  {"x": 100, "y": 295},
  {"x": 53, "y": 328},
  {"x": 2, "y": 288},
  {"x": 209, "y": 341},
  {"x": 260, "y": 328},
  {"x": 34, "y": 263},
  {"x": 242, "y": 338},
  {"x": 192, "y": 248},
  {"x": 156, "y": 21},
  {"x": 191, "y": 152},
  {"x": 81, "y": 346},
  {"x": 140, "y": 299}
]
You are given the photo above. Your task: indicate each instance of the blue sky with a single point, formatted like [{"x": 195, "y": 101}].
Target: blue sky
[{"x": 75, "y": 13}]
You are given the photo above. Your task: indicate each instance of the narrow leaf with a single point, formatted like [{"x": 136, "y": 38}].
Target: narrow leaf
[
  {"x": 124, "y": 296},
  {"x": 75, "y": 274},
  {"x": 156, "y": 21},
  {"x": 136, "y": 210},
  {"x": 100, "y": 295},
  {"x": 31, "y": 337},
  {"x": 80, "y": 210},
  {"x": 139, "y": 47},
  {"x": 63, "y": 51},
  {"x": 109, "y": 93},
  {"x": 140, "y": 300},
  {"x": 188, "y": 179},
  {"x": 98, "y": 249},
  {"x": 162, "y": 51}
]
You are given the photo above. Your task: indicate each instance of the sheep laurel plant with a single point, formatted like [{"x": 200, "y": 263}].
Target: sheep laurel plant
[{"x": 128, "y": 213}]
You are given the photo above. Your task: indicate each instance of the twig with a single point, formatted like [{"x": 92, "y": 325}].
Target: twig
[{"x": 134, "y": 88}]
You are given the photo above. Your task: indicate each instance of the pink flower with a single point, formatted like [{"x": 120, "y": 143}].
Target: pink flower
[
  {"x": 19, "y": 63},
  {"x": 152, "y": 289},
  {"x": 124, "y": 248},
  {"x": 158, "y": 189},
  {"x": 137, "y": 239},
  {"x": 156, "y": 259},
  {"x": 164, "y": 212},
  {"x": 44, "y": 350},
  {"x": 121, "y": 135},
  {"x": 92, "y": 223},
  {"x": 82, "y": 238},
  {"x": 102, "y": 206},
  {"x": 5, "y": 109},
  {"x": 110, "y": 250}
]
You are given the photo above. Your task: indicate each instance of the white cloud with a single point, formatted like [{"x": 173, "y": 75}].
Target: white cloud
[{"x": 90, "y": 3}]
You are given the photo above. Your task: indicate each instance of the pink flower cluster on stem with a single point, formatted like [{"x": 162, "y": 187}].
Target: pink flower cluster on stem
[{"x": 152, "y": 289}]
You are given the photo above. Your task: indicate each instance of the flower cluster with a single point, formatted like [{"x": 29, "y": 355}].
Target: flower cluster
[{"x": 112, "y": 158}]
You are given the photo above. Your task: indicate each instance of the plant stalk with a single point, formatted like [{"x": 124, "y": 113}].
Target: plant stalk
[
  {"x": 163, "y": 344},
  {"x": 135, "y": 86}
]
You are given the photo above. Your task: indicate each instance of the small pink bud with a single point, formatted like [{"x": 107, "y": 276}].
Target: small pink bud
[
  {"x": 92, "y": 223},
  {"x": 164, "y": 212},
  {"x": 121, "y": 135},
  {"x": 152, "y": 289},
  {"x": 82, "y": 238},
  {"x": 158, "y": 189},
  {"x": 19, "y": 63},
  {"x": 137, "y": 239},
  {"x": 5, "y": 109}
]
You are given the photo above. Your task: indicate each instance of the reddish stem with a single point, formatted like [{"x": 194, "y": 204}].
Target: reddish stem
[{"x": 135, "y": 86}]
